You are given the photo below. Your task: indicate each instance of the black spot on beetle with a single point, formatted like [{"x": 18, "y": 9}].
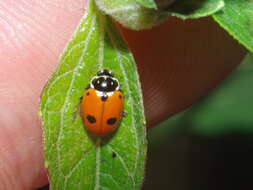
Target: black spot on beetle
[
  {"x": 91, "y": 119},
  {"x": 104, "y": 97},
  {"x": 87, "y": 93},
  {"x": 111, "y": 121},
  {"x": 120, "y": 96}
]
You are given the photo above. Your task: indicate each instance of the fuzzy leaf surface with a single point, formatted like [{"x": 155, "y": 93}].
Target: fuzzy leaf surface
[
  {"x": 73, "y": 156},
  {"x": 131, "y": 13},
  {"x": 237, "y": 19},
  {"x": 186, "y": 9},
  {"x": 147, "y": 3}
]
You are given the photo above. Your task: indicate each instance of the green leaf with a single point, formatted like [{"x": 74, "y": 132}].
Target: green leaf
[
  {"x": 237, "y": 19},
  {"x": 131, "y": 14},
  {"x": 195, "y": 8},
  {"x": 75, "y": 159},
  {"x": 147, "y": 3}
]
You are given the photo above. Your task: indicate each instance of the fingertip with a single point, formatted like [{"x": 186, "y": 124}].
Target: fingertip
[{"x": 179, "y": 62}]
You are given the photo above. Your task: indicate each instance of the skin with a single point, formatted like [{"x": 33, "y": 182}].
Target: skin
[{"x": 179, "y": 62}]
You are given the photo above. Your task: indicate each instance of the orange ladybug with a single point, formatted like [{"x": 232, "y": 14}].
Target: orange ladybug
[{"x": 102, "y": 103}]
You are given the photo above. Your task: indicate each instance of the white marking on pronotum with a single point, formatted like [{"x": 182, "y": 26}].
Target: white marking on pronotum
[
  {"x": 98, "y": 149},
  {"x": 105, "y": 77},
  {"x": 101, "y": 93}
]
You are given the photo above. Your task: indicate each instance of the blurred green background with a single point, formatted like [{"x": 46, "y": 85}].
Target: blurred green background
[{"x": 209, "y": 145}]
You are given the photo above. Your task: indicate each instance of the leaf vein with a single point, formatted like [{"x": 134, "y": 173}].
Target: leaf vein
[
  {"x": 62, "y": 110},
  {"x": 130, "y": 100},
  {"x": 123, "y": 164}
]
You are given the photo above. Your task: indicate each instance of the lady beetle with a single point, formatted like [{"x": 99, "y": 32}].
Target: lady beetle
[{"x": 102, "y": 103}]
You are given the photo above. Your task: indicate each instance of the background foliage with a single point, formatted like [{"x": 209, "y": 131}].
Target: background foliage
[{"x": 210, "y": 144}]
